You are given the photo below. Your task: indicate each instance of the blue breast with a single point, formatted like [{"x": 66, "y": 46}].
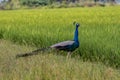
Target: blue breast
[{"x": 74, "y": 46}]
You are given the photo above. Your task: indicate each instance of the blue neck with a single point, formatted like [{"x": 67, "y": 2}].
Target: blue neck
[{"x": 76, "y": 35}]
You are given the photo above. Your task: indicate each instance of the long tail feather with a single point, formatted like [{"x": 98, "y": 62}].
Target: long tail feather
[{"x": 35, "y": 52}]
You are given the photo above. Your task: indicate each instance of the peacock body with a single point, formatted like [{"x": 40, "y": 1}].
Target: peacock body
[{"x": 68, "y": 46}]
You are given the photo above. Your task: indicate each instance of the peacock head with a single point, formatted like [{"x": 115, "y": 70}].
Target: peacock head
[{"x": 76, "y": 24}]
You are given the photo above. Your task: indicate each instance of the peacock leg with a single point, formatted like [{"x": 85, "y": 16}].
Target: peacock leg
[{"x": 69, "y": 55}]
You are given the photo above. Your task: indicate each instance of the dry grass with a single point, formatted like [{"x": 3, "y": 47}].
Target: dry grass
[{"x": 49, "y": 66}]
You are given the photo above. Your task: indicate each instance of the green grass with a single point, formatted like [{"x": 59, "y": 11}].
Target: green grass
[
  {"x": 98, "y": 35},
  {"x": 49, "y": 66}
]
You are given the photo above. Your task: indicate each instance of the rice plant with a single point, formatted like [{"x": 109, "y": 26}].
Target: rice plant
[{"x": 99, "y": 32}]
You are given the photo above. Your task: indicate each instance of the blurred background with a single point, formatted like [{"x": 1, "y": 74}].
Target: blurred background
[{"x": 18, "y": 4}]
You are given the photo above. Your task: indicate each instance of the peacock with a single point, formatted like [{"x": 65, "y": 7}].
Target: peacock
[{"x": 68, "y": 46}]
